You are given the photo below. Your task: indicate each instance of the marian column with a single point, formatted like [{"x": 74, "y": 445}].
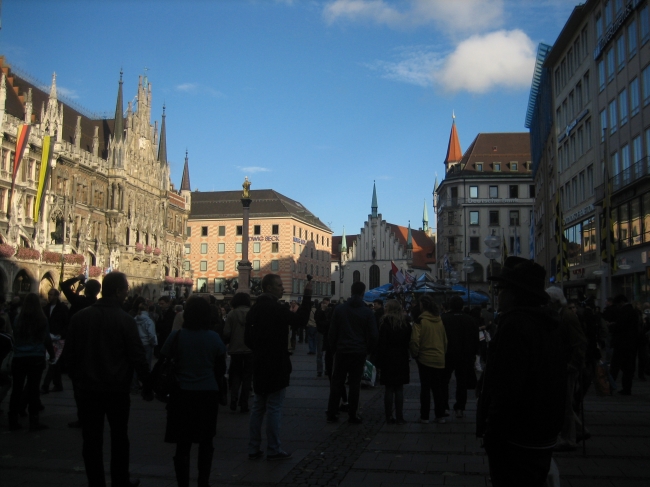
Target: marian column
[{"x": 245, "y": 265}]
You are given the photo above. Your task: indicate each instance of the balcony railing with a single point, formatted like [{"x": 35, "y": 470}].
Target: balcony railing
[{"x": 627, "y": 177}]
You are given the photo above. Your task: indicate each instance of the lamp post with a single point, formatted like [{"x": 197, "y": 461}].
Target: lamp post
[
  {"x": 493, "y": 251},
  {"x": 468, "y": 267},
  {"x": 245, "y": 266}
]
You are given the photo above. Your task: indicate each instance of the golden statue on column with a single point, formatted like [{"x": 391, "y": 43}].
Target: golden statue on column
[{"x": 247, "y": 187}]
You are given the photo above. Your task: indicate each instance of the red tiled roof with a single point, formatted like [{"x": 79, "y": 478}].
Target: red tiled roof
[
  {"x": 454, "y": 153},
  {"x": 489, "y": 148}
]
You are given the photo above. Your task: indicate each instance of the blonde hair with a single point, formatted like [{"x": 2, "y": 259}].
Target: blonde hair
[{"x": 393, "y": 314}]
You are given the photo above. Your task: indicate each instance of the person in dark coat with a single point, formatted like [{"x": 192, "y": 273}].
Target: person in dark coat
[
  {"x": 57, "y": 315},
  {"x": 624, "y": 332},
  {"x": 78, "y": 301},
  {"x": 462, "y": 347},
  {"x": 393, "y": 359},
  {"x": 352, "y": 336},
  {"x": 521, "y": 408},
  {"x": 192, "y": 408},
  {"x": 165, "y": 322},
  {"x": 103, "y": 348},
  {"x": 267, "y": 334}
]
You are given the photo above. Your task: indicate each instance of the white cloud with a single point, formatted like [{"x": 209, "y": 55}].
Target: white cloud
[
  {"x": 72, "y": 94},
  {"x": 416, "y": 66},
  {"x": 450, "y": 16},
  {"x": 187, "y": 87},
  {"x": 483, "y": 62},
  {"x": 477, "y": 65},
  {"x": 253, "y": 169}
]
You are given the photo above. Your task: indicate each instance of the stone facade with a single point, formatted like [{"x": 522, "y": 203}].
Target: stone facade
[
  {"x": 284, "y": 239},
  {"x": 108, "y": 203}
]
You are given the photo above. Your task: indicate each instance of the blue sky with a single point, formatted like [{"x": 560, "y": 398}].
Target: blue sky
[{"x": 313, "y": 98}]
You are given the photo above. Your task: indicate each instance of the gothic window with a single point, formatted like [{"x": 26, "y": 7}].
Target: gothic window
[
  {"x": 356, "y": 276},
  {"x": 374, "y": 276}
]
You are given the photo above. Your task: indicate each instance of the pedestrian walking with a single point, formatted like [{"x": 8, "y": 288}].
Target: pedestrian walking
[
  {"x": 428, "y": 347},
  {"x": 192, "y": 408},
  {"x": 57, "y": 317},
  {"x": 352, "y": 337},
  {"x": 103, "y": 348},
  {"x": 240, "y": 372},
  {"x": 462, "y": 347},
  {"x": 311, "y": 330},
  {"x": 393, "y": 359},
  {"x": 267, "y": 334},
  {"x": 31, "y": 341},
  {"x": 521, "y": 406},
  {"x": 322, "y": 316}
]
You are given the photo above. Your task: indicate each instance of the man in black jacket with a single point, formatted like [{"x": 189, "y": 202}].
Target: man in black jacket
[
  {"x": 521, "y": 407},
  {"x": 352, "y": 336},
  {"x": 462, "y": 348},
  {"x": 322, "y": 317},
  {"x": 267, "y": 334},
  {"x": 57, "y": 317},
  {"x": 103, "y": 349},
  {"x": 80, "y": 301}
]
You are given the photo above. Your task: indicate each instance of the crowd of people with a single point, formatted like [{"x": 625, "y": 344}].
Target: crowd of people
[{"x": 530, "y": 364}]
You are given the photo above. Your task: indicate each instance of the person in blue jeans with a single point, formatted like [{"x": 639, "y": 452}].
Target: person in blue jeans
[{"x": 267, "y": 335}]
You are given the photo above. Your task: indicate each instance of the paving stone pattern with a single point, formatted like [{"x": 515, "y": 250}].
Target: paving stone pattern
[{"x": 373, "y": 454}]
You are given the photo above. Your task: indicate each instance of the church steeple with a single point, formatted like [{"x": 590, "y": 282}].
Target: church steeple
[
  {"x": 344, "y": 247},
  {"x": 425, "y": 218},
  {"x": 374, "y": 200},
  {"x": 162, "y": 148},
  {"x": 185, "y": 181},
  {"x": 454, "y": 153},
  {"x": 119, "y": 113},
  {"x": 409, "y": 238}
]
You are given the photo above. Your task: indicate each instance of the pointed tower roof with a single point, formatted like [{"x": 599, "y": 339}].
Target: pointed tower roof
[
  {"x": 344, "y": 247},
  {"x": 162, "y": 147},
  {"x": 119, "y": 113},
  {"x": 425, "y": 217},
  {"x": 409, "y": 239},
  {"x": 435, "y": 184},
  {"x": 185, "y": 181},
  {"x": 374, "y": 200},
  {"x": 53, "y": 88},
  {"x": 454, "y": 154}
]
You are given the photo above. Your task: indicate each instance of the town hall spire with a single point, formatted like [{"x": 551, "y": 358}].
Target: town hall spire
[
  {"x": 162, "y": 148},
  {"x": 185, "y": 180},
  {"x": 119, "y": 113}
]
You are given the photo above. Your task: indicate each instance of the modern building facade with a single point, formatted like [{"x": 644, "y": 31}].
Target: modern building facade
[
  {"x": 285, "y": 238},
  {"x": 367, "y": 256},
  {"x": 106, "y": 201},
  {"x": 486, "y": 191},
  {"x": 590, "y": 138}
]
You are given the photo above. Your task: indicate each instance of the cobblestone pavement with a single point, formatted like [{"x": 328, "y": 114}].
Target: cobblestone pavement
[{"x": 371, "y": 454}]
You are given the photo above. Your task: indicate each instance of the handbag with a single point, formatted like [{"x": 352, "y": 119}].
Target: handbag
[{"x": 163, "y": 375}]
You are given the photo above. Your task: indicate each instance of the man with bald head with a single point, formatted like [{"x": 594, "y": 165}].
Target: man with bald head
[{"x": 102, "y": 350}]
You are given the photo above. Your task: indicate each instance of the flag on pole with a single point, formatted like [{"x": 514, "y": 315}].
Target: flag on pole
[
  {"x": 562, "y": 267},
  {"x": 607, "y": 243},
  {"x": 43, "y": 177},
  {"x": 398, "y": 277},
  {"x": 21, "y": 143},
  {"x": 531, "y": 241}
]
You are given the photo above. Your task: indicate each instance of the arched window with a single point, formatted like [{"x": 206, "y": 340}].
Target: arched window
[
  {"x": 356, "y": 276},
  {"x": 374, "y": 276}
]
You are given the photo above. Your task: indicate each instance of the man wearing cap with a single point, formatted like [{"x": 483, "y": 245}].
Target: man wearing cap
[{"x": 521, "y": 407}]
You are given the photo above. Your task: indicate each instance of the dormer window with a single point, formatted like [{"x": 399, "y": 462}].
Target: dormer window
[
  {"x": 513, "y": 166},
  {"x": 497, "y": 167},
  {"x": 479, "y": 166}
]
